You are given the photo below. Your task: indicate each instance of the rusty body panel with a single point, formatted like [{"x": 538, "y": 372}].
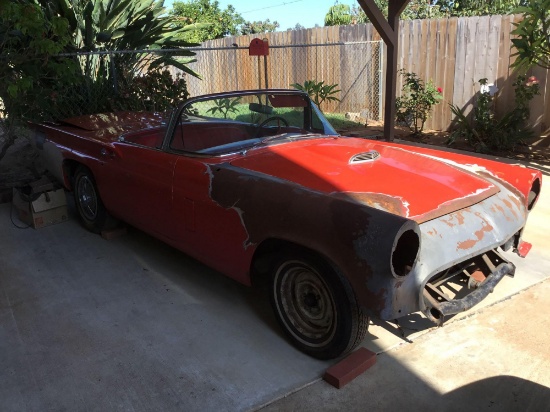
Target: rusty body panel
[
  {"x": 306, "y": 189},
  {"x": 361, "y": 247}
]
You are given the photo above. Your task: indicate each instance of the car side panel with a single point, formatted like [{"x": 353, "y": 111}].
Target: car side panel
[
  {"x": 358, "y": 240},
  {"x": 206, "y": 230},
  {"x": 136, "y": 186}
]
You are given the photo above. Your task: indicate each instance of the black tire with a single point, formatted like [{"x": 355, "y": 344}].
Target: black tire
[
  {"x": 91, "y": 210},
  {"x": 316, "y": 306}
]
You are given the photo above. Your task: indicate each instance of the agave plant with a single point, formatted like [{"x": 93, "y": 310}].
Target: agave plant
[
  {"x": 125, "y": 39},
  {"x": 115, "y": 25}
]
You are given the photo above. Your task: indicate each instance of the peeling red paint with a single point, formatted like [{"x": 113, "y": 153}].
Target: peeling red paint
[
  {"x": 467, "y": 244},
  {"x": 379, "y": 201},
  {"x": 479, "y": 234},
  {"x": 503, "y": 212},
  {"x": 307, "y": 193},
  {"x": 455, "y": 219},
  {"x": 509, "y": 206},
  {"x": 485, "y": 229},
  {"x": 448, "y": 222},
  {"x": 515, "y": 200}
]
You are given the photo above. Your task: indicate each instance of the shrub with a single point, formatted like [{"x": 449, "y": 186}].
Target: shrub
[
  {"x": 416, "y": 101},
  {"x": 531, "y": 39},
  {"x": 155, "y": 91},
  {"x": 485, "y": 132},
  {"x": 318, "y": 91}
]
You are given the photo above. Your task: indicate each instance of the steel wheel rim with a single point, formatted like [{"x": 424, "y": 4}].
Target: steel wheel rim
[
  {"x": 87, "y": 198},
  {"x": 305, "y": 304}
]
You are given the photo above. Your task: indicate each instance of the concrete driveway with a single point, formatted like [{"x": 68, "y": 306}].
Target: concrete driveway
[
  {"x": 132, "y": 324},
  {"x": 494, "y": 357}
]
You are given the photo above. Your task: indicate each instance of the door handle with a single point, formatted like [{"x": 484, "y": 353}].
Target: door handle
[{"x": 106, "y": 153}]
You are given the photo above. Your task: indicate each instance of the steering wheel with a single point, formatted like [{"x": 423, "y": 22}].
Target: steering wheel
[{"x": 271, "y": 119}]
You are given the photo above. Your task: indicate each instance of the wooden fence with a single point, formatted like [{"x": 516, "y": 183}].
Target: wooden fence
[
  {"x": 454, "y": 53},
  {"x": 355, "y": 67}
]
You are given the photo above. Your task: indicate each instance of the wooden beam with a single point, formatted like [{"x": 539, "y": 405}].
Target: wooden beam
[
  {"x": 378, "y": 20},
  {"x": 389, "y": 31}
]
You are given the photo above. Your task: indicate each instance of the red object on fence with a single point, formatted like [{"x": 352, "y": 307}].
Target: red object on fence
[{"x": 258, "y": 47}]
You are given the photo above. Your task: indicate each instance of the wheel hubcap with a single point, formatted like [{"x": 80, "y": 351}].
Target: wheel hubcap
[
  {"x": 87, "y": 198},
  {"x": 306, "y": 304}
]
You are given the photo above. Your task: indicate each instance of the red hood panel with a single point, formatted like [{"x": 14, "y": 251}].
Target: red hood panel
[{"x": 399, "y": 181}]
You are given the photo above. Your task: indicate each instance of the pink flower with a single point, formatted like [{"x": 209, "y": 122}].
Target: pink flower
[
  {"x": 531, "y": 81},
  {"x": 440, "y": 90}
]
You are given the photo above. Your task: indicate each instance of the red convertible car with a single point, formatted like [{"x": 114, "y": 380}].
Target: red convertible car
[{"x": 258, "y": 185}]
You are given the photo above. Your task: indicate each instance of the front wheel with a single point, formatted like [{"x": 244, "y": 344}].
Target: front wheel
[
  {"x": 92, "y": 213},
  {"x": 316, "y": 307}
]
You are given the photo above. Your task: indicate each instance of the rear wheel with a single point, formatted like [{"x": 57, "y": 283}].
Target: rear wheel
[
  {"x": 316, "y": 307},
  {"x": 90, "y": 208}
]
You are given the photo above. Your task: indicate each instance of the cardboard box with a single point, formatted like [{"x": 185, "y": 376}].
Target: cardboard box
[{"x": 41, "y": 209}]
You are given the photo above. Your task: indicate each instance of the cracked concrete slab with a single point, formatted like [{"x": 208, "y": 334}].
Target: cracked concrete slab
[{"x": 130, "y": 323}]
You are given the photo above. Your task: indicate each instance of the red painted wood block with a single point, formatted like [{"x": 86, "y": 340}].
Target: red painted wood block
[
  {"x": 350, "y": 367},
  {"x": 113, "y": 233},
  {"x": 524, "y": 248}
]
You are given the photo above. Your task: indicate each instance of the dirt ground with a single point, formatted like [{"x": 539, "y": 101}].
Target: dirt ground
[{"x": 536, "y": 149}]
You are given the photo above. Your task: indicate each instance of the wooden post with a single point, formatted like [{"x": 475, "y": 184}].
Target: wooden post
[{"x": 389, "y": 31}]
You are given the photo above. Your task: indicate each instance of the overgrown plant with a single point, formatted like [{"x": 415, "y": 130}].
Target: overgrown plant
[
  {"x": 156, "y": 91},
  {"x": 43, "y": 79},
  {"x": 31, "y": 74},
  {"x": 416, "y": 101},
  {"x": 484, "y": 132},
  {"x": 318, "y": 91},
  {"x": 122, "y": 25},
  {"x": 532, "y": 35},
  {"x": 224, "y": 106}
]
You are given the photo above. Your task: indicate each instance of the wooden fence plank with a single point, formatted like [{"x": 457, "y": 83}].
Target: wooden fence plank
[
  {"x": 479, "y": 53},
  {"x": 469, "y": 86},
  {"x": 536, "y": 106},
  {"x": 449, "y": 74},
  {"x": 425, "y": 50},
  {"x": 404, "y": 30},
  {"x": 432, "y": 38},
  {"x": 460, "y": 66},
  {"x": 503, "y": 83},
  {"x": 545, "y": 122},
  {"x": 441, "y": 27},
  {"x": 453, "y": 52},
  {"x": 493, "y": 42}
]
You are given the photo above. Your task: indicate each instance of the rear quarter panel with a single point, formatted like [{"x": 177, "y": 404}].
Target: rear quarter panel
[{"x": 65, "y": 144}]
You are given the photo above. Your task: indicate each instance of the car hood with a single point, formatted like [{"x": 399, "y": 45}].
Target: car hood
[{"x": 396, "y": 180}]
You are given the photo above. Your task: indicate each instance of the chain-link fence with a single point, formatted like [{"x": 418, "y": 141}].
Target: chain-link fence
[
  {"x": 125, "y": 80},
  {"x": 356, "y": 67},
  {"x": 109, "y": 81}
]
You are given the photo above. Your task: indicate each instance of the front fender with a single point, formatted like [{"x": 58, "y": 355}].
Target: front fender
[{"x": 357, "y": 238}]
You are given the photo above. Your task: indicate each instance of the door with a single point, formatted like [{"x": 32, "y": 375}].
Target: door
[{"x": 136, "y": 186}]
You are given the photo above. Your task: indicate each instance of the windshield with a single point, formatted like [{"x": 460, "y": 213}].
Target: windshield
[{"x": 232, "y": 122}]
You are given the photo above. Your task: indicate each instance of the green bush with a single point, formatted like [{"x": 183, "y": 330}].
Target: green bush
[
  {"x": 485, "y": 132},
  {"x": 416, "y": 102},
  {"x": 318, "y": 91},
  {"x": 155, "y": 91}
]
